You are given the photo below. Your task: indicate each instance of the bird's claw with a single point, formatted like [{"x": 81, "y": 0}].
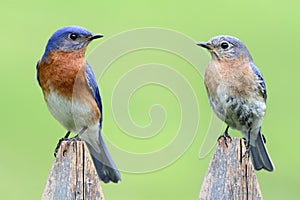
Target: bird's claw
[
  {"x": 247, "y": 143},
  {"x": 225, "y": 136},
  {"x": 58, "y": 145},
  {"x": 69, "y": 141},
  {"x": 246, "y": 152}
]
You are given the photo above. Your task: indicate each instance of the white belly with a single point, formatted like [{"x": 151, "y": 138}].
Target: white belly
[
  {"x": 239, "y": 113},
  {"x": 70, "y": 113}
]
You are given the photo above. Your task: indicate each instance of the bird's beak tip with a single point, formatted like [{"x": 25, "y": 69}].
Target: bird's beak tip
[
  {"x": 204, "y": 45},
  {"x": 96, "y": 36}
]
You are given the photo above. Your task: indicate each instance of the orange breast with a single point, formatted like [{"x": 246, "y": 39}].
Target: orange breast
[
  {"x": 59, "y": 71},
  {"x": 65, "y": 74}
]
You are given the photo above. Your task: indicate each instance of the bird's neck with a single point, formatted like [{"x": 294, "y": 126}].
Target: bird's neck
[
  {"x": 233, "y": 63},
  {"x": 53, "y": 56}
]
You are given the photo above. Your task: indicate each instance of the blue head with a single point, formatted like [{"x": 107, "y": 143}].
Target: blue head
[
  {"x": 226, "y": 47},
  {"x": 70, "y": 38}
]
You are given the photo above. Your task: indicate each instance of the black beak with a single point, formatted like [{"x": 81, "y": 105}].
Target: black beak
[
  {"x": 95, "y": 36},
  {"x": 205, "y": 45}
]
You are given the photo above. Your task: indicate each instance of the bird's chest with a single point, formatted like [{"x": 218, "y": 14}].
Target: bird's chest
[
  {"x": 66, "y": 92},
  {"x": 232, "y": 79},
  {"x": 233, "y": 94},
  {"x": 61, "y": 72}
]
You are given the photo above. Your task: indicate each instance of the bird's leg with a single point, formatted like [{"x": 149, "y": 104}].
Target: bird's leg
[
  {"x": 247, "y": 144},
  {"x": 59, "y": 142},
  {"x": 82, "y": 131},
  {"x": 225, "y": 135},
  {"x": 74, "y": 139}
]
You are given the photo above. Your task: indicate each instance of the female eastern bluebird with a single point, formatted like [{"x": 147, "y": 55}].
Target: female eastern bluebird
[
  {"x": 72, "y": 95},
  {"x": 237, "y": 93}
]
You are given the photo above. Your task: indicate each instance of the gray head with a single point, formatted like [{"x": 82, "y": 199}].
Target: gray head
[{"x": 225, "y": 47}]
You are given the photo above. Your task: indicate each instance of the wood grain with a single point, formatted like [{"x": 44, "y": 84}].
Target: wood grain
[
  {"x": 230, "y": 174},
  {"x": 73, "y": 175}
]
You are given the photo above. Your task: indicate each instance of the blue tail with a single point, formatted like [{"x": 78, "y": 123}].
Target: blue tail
[{"x": 105, "y": 166}]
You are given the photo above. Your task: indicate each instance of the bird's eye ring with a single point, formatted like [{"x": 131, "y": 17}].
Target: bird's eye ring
[
  {"x": 73, "y": 36},
  {"x": 224, "y": 45}
]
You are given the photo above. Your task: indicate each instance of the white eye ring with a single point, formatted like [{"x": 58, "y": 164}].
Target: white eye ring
[
  {"x": 73, "y": 36},
  {"x": 224, "y": 45}
]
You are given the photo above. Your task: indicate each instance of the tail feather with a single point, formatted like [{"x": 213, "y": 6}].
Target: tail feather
[
  {"x": 105, "y": 166},
  {"x": 259, "y": 155}
]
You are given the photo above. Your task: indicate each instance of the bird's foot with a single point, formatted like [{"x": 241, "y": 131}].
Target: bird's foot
[
  {"x": 246, "y": 152},
  {"x": 69, "y": 141},
  {"x": 226, "y": 136},
  {"x": 247, "y": 143},
  {"x": 60, "y": 141}
]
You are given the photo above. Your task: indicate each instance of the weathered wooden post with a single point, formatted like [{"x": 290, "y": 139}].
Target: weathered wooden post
[
  {"x": 73, "y": 175},
  {"x": 230, "y": 175}
]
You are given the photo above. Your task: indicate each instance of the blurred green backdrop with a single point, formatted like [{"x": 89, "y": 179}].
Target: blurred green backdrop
[{"x": 29, "y": 133}]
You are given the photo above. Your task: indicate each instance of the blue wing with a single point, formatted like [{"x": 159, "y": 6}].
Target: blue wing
[
  {"x": 37, "y": 72},
  {"x": 91, "y": 80},
  {"x": 260, "y": 79}
]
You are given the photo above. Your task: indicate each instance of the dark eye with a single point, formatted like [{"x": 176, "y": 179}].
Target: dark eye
[
  {"x": 73, "y": 36},
  {"x": 224, "y": 45}
]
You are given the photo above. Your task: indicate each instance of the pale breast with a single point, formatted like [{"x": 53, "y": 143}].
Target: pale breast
[{"x": 234, "y": 95}]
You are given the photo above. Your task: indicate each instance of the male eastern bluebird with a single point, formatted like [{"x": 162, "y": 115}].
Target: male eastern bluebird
[
  {"x": 72, "y": 95},
  {"x": 237, "y": 94}
]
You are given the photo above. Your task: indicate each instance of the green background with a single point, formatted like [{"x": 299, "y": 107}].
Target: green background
[{"x": 29, "y": 133}]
